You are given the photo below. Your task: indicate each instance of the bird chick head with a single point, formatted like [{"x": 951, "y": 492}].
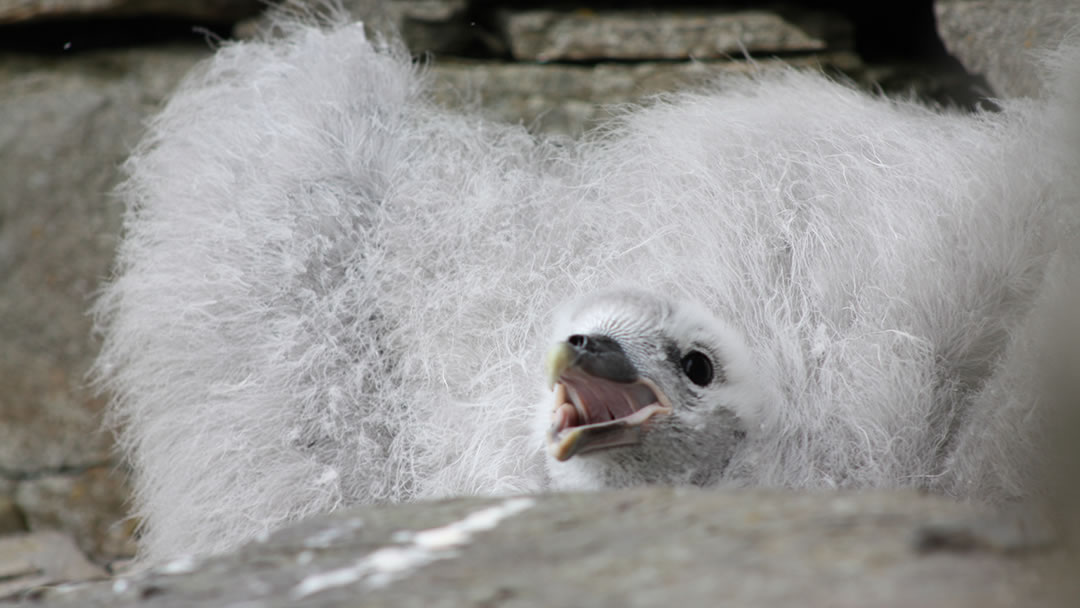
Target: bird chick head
[{"x": 647, "y": 389}]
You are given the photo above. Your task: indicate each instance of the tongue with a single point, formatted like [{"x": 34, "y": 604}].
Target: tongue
[
  {"x": 564, "y": 417},
  {"x": 564, "y": 444}
]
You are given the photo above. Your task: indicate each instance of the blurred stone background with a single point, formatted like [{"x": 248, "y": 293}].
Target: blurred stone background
[{"x": 78, "y": 78}]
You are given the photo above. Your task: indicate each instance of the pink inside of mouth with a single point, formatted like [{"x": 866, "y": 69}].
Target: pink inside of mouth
[{"x": 590, "y": 400}]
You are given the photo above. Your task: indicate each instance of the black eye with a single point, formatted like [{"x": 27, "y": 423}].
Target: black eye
[{"x": 698, "y": 368}]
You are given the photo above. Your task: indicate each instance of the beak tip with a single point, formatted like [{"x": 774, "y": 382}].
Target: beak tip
[{"x": 557, "y": 360}]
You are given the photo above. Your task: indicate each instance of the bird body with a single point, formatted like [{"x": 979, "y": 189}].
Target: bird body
[{"x": 332, "y": 291}]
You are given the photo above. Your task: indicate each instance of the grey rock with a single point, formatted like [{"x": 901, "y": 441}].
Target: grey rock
[
  {"x": 644, "y": 547},
  {"x": 431, "y": 11},
  {"x": 433, "y": 26},
  {"x": 68, "y": 124},
  {"x": 568, "y": 99},
  {"x": 13, "y": 11},
  {"x": 28, "y": 561},
  {"x": 90, "y": 506},
  {"x": 11, "y": 517},
  {"x": 1002, "y": 39},
  {"x": 425, "y": 26},
  {"x": 543, "y": 35}
]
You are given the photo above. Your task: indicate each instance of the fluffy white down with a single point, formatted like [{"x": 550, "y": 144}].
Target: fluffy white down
[{"x": 332, "y": 291}]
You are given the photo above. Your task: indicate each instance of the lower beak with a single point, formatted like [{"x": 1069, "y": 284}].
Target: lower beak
[{"x": 626, "y": 431}]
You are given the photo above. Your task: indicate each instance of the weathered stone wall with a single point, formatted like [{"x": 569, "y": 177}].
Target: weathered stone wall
[
  {"x": 67, "y": 125},
  {"x": 78, "y": 78}
]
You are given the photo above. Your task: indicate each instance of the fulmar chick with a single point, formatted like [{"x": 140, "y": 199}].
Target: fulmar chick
[{"x": 331, "y": 291}]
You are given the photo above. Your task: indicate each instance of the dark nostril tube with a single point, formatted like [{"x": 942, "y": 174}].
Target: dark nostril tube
[{"x": 601, "y": 356}]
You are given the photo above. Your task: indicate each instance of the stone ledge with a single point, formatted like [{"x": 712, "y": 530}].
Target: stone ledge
[
  {"x": 40, "y": 558},
  {"x": 217, "y": 10},
  {"x": 568, "y": 99},
  {"x": 631, "y": 548},
  {"x": 544, "y": 35},
  {"x": 91, "y": 506}
]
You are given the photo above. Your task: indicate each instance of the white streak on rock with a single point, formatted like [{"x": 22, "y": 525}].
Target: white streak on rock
[
  {"x": 324, "y": 538},
  {"x": 388, "y": 564},
  {"x": 181, "y": 565},
  {"x": 327, "y": 580}
]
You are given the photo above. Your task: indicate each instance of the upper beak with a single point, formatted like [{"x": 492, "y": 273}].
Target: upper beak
[{"x": 599, "y": 356}]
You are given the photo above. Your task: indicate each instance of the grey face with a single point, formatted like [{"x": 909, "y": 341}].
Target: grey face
[{"x": 646, "y": 390}]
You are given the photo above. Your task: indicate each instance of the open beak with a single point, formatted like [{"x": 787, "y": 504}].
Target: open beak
[{"x": 600, "y": 400}]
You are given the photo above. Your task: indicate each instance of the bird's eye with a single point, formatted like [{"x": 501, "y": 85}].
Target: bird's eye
[{"x": 697, "y": 368}]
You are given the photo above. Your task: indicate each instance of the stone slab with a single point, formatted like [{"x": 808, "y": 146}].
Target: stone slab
[
  {"x": 32, "y": 560},
  {"x": 15, "y": 11},
  {"x": 425, "y": 26},
  {"x": 585, "y": 35},
  {"x": 90, "y": 506},
  {"x": 645, "y": 547},
  {"x": 68, "y": 124},
  {"x": 569, "y": 99}
]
